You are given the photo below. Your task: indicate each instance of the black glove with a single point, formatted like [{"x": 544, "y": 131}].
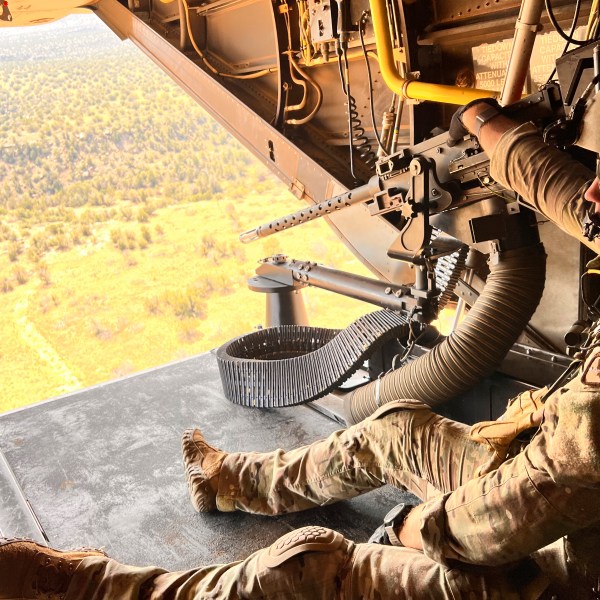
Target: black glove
[
  {"x": 457, "y": 130},
  {"x": 392, "y": 521},
  {"x": 379, "y": 536}
]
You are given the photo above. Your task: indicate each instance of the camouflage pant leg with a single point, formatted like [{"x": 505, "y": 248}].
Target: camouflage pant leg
[
  {"x": 312, "y": 563},
  {"x": 404, "y": 444},
  {"x": 550, "y": 490}
]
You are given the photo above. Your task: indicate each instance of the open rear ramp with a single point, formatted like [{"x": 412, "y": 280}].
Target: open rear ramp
[{"x": 102, "y": 468}]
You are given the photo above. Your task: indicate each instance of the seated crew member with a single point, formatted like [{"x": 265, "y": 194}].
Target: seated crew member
[{"x": 479, "y": 508}]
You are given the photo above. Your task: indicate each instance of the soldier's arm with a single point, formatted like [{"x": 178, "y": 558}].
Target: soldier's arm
[{"x": 546, "y": 178}]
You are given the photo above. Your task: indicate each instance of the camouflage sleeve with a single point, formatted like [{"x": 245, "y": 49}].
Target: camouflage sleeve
[
  {"x": 434, "y": 536},
  {"x": 546, "y": 178}
]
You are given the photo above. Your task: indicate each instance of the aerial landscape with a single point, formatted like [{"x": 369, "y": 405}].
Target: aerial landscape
[{"x": 120, "y": 208}]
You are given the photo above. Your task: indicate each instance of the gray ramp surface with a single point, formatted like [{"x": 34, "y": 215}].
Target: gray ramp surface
[{"x": 102, "y": 468}]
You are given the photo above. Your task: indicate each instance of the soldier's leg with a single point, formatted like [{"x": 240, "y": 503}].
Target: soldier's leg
[
  {"x": 312, "y": 563},
  {"x": 549, "y": 490},
  {"x": 404, "y": 444}
]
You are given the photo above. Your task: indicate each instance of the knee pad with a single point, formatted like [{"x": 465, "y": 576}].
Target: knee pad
[{"x": 306, "y": 539}]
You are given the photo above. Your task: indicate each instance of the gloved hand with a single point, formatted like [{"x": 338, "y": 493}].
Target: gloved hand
[
  {"x": 457, "y": 130},
  {"x": 523, "y": 412}
]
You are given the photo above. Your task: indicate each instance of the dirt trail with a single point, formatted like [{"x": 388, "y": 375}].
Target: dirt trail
[{"x": 38, "y": 343}]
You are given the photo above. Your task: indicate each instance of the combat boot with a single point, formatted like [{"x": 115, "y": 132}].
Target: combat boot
[
  {"x": 31, "y": 571},
  {"x": 202, "y": 468}
]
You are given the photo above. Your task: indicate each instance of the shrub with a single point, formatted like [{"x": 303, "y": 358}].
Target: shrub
[
  {"x": 14, "y": 249},
  {"x": 146, "y": 234},
  {"x": 152, "y": 305},
  {"x": 126, "y": 213},
  {"x": 100, "y": 331},
  {"x": 34, "y": 255},
  {"x": 44, "y": 273},
  {"x": 131, "y": 241},
  {"x": 187, "y": 304},
  {"x": 125, "y": 368},
  {"x": 117, "y": 237},
  {"x": 61, "y": 242},
  {"x": 21, "y": 275},
  {"x": 188, "y": 333},
  {"x": 6, "y": 286},
  {"x": 143, "y": 216}
]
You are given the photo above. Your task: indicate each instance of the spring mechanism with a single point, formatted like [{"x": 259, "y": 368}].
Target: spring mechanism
[{"x": 359, "y": 139}]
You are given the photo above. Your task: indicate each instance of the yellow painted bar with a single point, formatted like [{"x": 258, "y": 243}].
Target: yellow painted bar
[{"x": 410, "y": 89}]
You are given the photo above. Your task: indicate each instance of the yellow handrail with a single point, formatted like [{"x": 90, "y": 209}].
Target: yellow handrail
[{"x": 407, "y": 88}]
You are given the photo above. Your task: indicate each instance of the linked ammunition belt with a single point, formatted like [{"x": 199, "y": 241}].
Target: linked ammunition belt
[
  {"x": 447, "y": 273},
  {"x": 292, "y": 364}
]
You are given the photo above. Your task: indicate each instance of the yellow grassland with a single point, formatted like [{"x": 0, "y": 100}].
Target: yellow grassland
[
  {"x": 121, "y": 203},
  {"x": 100, "y": 313}
]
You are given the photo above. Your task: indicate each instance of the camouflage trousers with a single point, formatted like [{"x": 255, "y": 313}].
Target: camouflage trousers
[
  {"x": 312, "y": 563},
  {"x": 403, "y": 444},
  {"x": 480, "y": 508}
]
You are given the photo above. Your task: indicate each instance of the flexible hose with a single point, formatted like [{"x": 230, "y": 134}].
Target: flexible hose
[{"x": 511, "y": 294}]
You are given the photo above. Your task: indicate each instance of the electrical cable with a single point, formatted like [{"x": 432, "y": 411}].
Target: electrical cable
[
  {"x": 571, "y": 33},
  {"x": 559, "y": 29},
  {"x": 488, "y": 187},
  {"x": 363, "y": 21},
  {"x": 345, "y": 79}
]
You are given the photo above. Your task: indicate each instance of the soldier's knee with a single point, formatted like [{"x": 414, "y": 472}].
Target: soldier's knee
[
  {"x": 307, "y": 563},
  {"x": 306, "y": 539}
]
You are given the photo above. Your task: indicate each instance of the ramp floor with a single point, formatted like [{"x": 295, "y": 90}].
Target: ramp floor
[{"x": 102, "y": 468}]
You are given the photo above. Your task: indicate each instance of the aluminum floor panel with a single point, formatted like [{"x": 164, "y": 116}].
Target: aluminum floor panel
[{"x": 102, "y": 468}]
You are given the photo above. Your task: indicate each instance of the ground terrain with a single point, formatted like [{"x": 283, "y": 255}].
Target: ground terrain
[{"x": 120, "y": 206}]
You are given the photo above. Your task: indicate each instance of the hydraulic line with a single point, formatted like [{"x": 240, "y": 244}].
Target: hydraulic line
[
  {"x": 509, "y": 299},
  {"x": 317, "y": 89},
  {"x": 202, "y": 56}
]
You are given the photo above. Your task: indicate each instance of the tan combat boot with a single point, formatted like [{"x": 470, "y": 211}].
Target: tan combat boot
[
  {"x": 202, "y": 467},
  {"x": 31, "y": 571}
]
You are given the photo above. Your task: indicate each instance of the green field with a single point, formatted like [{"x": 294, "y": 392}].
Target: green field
[{"x": 120, "y": 207}]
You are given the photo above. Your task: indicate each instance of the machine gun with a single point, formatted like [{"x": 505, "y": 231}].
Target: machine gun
[{"x": 427, "y": 192}]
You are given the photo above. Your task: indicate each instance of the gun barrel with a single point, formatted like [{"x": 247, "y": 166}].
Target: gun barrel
[{"x": 310, "y": 213}]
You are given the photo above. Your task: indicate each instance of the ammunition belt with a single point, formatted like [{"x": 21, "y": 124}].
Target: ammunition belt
[
  {"x": 292, "y": 364},
  {"x": 447, "y": 272}
]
